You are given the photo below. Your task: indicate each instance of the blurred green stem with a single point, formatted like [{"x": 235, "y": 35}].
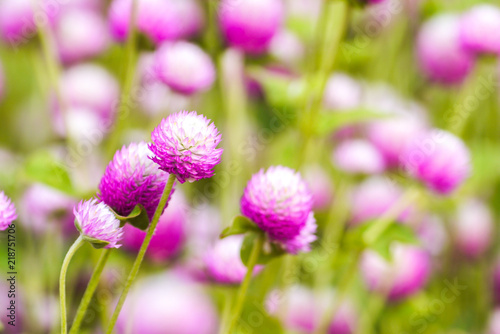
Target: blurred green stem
[
  {"x": 62, "y": 282},
  {"x": 226, "y": 311},
  {"x": 125, "y": 103},
  {"x": 242, "y": 292},
  {"x": 142, "y": 251},
  {"x": 375, "y": 306},
  {"x": 89, "y": 292}
]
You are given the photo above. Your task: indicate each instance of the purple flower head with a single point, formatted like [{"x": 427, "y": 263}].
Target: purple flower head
[
  {"x": 7, "y": 212},
  {"x": 168, "y": 304},
  {"x": 278, "y": 201},
  {"x": 98, "y": 224},
  {"x": 480, "y": 29},
  {"x": 473, "y": 228},
  {"x": 358, "y": 156},
  {"x": 185, "y": 144},
  {"x": 223, "y": 263},
  {"x": 169, "y": 235},
  {"x": 250, "y": 24},
  {"x": 301, "y": 243},
  {"x": 131, "y": 178},
  {"x": 184, "y": 67},
  {"x": 406, "y": 274},
  {"x": 440, "y": 54},
  {"x": 80, "y": 34},
  {"x": 439, "y": 159},
  {"x": 160, "y": 20}
]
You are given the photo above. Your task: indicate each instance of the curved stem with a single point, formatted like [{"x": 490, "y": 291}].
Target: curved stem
[
  {"x": 142, "y": 251},
  {"x": 62, "y": 282},
  {"x": 242, "y": 292},
  {"x": 89, "y": 292}
]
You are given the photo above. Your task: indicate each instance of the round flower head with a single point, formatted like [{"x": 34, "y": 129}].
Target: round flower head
[
  {"x": 184, "y": 67},
  {"x": 169, "y": 235},
  {"x": 480, "y": 29},
  {"x": 342, "y": 92},
  {"x": 131, "y": 178},
  {"x": 160, "y": 20},
  {"x": 301, "y": 243},
  {"x": 250, "y": 24},
  {"x": 287, "y": 47},
  {"x": 320, "y": 185},
  {"x": 358, "y": 156},
  {"x": 373, "y": 197},
  {"x": 439, "y": 159},
  {"x": 7, "y": 212},
  {"x": 473, "y": 228},
  {"x": 403, "y": 276},
  {"x": 278, "y": 201},
  {"x": 223, "y": 263},
  {"x": 432, "y": 234},
  {"x": 440, "y": 53},
  {"x": 167, "y": 304},
  {"x": 98, "y": 224},
  {"x": 80, "y": 34},
  {"x": 185, "y": 144}
]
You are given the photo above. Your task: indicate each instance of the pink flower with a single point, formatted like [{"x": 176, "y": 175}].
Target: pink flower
[
  {"x": 184, "y": 67},
  {"x": 185, "y": 144},
  {"x": 440, "y": 53},
  {"x": 7, "y": 212},
  {"x": 250, "y": 24},
  {"x": 320, "y": 185},
  {"x": 358, "y": 156},
  {"x": 342, "y": 93},
  {"x": 406, "y": 274},
  {"x": 439, "y": 159},
  {"x": 97, "y": 224},
  {"x": 480, "y": 29}
]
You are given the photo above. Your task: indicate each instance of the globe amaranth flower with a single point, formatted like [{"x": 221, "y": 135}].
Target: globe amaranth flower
[
  {"x": 440, "y": 53},
  {"x": 250, "y": 24},
  {"x": 160, "y": 20},
  {"x": 170, "y": 233},
  {"x": 439, "y": 159},
  {"x": 168, "y": 304},
  {"x": 480, "y": 29},
  {"x": 280, "y": 203},
  {"x": 320, "y": 186},
  {"x": 406, "y": 274},
  {"x": 184, "y": 67},
  {"x": 98, "y": 224},
  {"x": 358, "y": 156},
  {"x": 131, "y": 178},
  {"x": 7, "y": 212},
  {"x": 185, "y": 144},
  {"x": 223, "y": 262}
]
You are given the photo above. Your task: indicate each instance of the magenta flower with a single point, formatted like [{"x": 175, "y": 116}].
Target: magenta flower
[
  {"x": 168, "y": 304},
  {"x": 358, "y": 156},
  {"x": 184, "y": 67},
  {"x": 440, "y": 53},
  {"x": 250, "y": 24},
  {"x": 406, "y": 274},
  {"x": 80, "y": 34},
  {"x": 185, "y": 144},
  {"x": 439, "y": 159},
  {"x": 480, "y": 29},
  {"x": 7, "y": 212},
  {"x": 131, "y": 178},
  {"x": 223, "y": 263},
  {"x": 98, "y": 224},
  {"x": 473, "y": 228},
  {"x": 280, "y": 203},
  {"x": 170, "y": 233},
  {"x": 160, "y": 20}
]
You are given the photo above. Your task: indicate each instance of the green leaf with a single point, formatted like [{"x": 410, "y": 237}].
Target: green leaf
[
  {"x": 43, "y": 167},
  {"x": 137, "y": 218},
  {"x": 268, "y": 252},
  {"x": 394, "y": 233},
  {"x": 329, "y": 121},
  {"x": 240, "y": 225},
  {"x": 96, "y": 243}
]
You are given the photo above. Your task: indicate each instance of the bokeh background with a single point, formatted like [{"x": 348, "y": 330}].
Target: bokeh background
[{"x": 334, "y": 89}]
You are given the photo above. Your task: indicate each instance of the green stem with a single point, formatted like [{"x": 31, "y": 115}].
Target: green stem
[
  {"x": 89, "y": 292},
  {"x": 381, "y": 224},
  {"x": 142, "y": 251},
  {"x": 375, "y": 306},
  {"x": 226, "y": 311},
  {"x": 62, "y": 282},
  {"x": 242, "y": 292}
]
